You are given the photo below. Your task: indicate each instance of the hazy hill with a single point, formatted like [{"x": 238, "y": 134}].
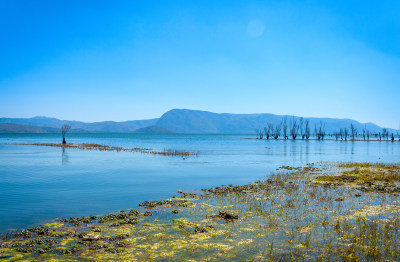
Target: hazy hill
[
  {"x": 195, "y": 121},
  {"x": 187, "y": 121},
  {"x": 16, "y": 128},
  {"x": 106, "y": 126}
]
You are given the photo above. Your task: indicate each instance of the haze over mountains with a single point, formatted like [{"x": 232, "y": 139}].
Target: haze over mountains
[{"x": 177, "y": 121}]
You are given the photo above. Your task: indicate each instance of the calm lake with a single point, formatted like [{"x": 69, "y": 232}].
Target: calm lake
[{"x": 38, "y": 184}]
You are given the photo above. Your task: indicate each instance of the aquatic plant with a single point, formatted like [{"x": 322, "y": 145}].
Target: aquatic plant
[{"x": 289, "y": 215}]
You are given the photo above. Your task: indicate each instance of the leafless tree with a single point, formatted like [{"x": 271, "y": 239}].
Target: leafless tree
[
  {"x": 307, "y": 129},
  {"x": 64, "y": 131},
  {"x": 392, "y": 137},
  {"x": 353, "y": 131},
  {"x": 277, "y": 131},
  {"x": 345, "y": 133},
  {"x": 301, "y": 128},
  {"x": 259, "y": 133},
  {"x": 284, "y": 127},
  {"x": 321, "y": 131},
  {"x": 336, "y": 135},
  {"x": 385, "y": 133},
  {"x": 268, "y": 131},
  {"x": 364, "y": 132},
  {"x": 294, "y": 128}
]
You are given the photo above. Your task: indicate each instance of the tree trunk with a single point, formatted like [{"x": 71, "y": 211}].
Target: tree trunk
[{"x": 64, "y": 142}]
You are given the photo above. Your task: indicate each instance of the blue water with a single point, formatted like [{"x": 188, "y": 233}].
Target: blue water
[{"x": 38, "y": 184}]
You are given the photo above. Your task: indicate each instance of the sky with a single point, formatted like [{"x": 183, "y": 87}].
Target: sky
[{"x": 128, "y": 60}]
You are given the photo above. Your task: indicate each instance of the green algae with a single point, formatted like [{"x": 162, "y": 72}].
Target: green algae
[{"x": 286, "y": 216}]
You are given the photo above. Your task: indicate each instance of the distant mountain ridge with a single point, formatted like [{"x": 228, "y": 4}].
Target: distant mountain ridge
[
  {"x": 16, "y": 128},
  {"x": 193, "y": 121},
  {"x": 106, "y": 126}
]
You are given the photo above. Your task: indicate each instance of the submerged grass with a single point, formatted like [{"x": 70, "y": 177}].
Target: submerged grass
[{"x": 286, "y": 216}]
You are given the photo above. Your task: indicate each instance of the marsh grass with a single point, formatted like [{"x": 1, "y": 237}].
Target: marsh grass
[
  {"x": 285, "y": 216},
  {"x": 97, "y": 147},
  {"x": 366, "y": 176}
]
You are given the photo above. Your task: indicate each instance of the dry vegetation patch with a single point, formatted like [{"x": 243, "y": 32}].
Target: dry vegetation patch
[
  {"x": 86, "y": 146},
  {"x": 366, "y": 176}
]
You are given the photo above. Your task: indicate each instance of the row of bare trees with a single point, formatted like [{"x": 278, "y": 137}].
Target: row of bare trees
[
  {"x": 352, "y": 133},
  {"x": 293, "y": 128},
  {"x": 299, "y": 127}
]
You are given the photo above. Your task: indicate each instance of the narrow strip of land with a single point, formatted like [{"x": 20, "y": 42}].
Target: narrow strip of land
[{"x": 86, "y": 146}]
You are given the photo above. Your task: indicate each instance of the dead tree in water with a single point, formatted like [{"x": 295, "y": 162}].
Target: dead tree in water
[
  {"x": 307, "y": 129},
  {"x": 321, "y": 131},
  {"x": 301, "y": 127},
  {"x": 269, "y": 130},
  {"x": 64, "y": 131},
  {"x": 364, "y": 132},
  {"x": 353, "y": 131},
  {"x": 259, "y": 133},
  {"x": 336, "y": 134},
  {"x": 345, "y": 133},
  {"x": 284, "y": 126},
  {"x": 277, "y": 131},
  {"x": 294, "y": 128},
  {"x": 385, "y": 133}
]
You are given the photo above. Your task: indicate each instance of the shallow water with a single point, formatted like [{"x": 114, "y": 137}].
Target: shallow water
[{"x": 42, "y": 183}]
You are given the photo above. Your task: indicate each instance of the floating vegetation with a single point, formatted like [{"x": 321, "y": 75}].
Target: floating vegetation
[
  {"x": 291, "y": 215},
  {"x": 84, "y": 146}
]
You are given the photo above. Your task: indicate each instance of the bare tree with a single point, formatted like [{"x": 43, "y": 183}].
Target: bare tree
[
  {"x": 64, "y": 131},
  {"x": 316, "y": 132},
  {"x": 392, "y": 137},
  {"x": 345, "y": 133},
  {"x": 336, "y": 136},
  {"x": 321, "y": 131},
  {"x": 294, "y": 128},
  {"x": 277, "y": 131},
  {"x": 284, "y": 127},
  {"x": 268, "y": 130},
  {"x": 385, "y": 133},
  {"x": 259, "y": 133},
  {"x": 301, "y": 122},
  {"x": 307, "y": 129},
  {"x": 364, "y": 132},
  {"x": 353, "y": 131}
]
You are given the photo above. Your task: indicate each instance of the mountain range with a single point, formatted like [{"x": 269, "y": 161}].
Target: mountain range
[{"x": 179, "y": 121}]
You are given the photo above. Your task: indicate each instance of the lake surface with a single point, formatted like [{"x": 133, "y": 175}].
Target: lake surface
[{"x": 38, "y": 184}]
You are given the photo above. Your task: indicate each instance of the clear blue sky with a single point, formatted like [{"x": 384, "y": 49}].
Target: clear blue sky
[{"x": 126, "y": 60}]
